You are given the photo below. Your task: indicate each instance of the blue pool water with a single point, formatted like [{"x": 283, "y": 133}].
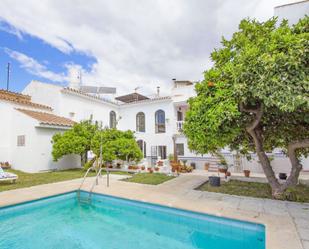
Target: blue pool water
[{"x": 60, "y": 222}]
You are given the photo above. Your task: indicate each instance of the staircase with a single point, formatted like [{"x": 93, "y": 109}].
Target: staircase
[{"x": 213, "y": 164}]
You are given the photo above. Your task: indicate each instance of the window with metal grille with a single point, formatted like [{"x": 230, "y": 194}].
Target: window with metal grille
[
  {"x": 140, "y": 122},
  {"x": 112, "y": 120},
  {"x": 21, "y": 140},
  {"x": 180, "y": 149},
  {"x": 160, "y": 121},
  {"x": 162, "y": 151}
]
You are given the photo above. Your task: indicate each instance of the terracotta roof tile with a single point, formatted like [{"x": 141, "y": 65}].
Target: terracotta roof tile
[
  {"x": 48, "y": 118},
  {"x": 21, "y": 99}
]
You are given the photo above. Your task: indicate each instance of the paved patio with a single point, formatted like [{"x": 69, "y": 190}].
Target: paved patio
[{"x": 287, "y": 223}]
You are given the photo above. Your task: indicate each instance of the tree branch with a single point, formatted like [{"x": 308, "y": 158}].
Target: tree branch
[
  {"x": 244, "y": 108},
  {"x": 296, "y": 165}
]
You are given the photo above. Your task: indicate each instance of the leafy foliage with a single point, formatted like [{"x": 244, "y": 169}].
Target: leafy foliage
[
  {"x": 262, "y": 64},
  {"x": 74, "y": 141},
  {"x": 116, "y": 145}
]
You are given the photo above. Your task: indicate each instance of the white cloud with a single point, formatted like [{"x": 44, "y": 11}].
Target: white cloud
[
  {"x": 136, "y": 42},
  {"x": 34, "y": 67}
]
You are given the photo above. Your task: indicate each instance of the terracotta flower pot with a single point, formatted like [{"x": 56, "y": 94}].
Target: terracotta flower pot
[
  {"x": 160, "y": 163},
  {"x": 247, "y": 173},
  {"x": 222, "y": 170}
]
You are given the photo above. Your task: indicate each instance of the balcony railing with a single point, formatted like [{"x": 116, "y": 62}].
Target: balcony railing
[{"x": 179, "y": 125}]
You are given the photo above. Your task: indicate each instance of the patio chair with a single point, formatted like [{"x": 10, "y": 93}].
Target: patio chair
[{"x": 6, "y": 176}]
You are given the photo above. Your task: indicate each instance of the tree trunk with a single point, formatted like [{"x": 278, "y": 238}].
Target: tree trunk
[
  {"x": 255, "y": 131},
  {"x": 84, "y": 158},
  {"x": 296, "y": 165}
]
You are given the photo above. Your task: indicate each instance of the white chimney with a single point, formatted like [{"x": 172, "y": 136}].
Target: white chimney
[
  {"x": 158, "y": 91},
  {"x": 75, "y": 79}
]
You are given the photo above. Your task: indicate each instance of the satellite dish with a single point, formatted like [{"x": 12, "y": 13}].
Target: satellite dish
[{"x": 98, "y": 89}]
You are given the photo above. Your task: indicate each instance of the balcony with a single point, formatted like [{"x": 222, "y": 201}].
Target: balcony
[{"x": 179, "y": 126}]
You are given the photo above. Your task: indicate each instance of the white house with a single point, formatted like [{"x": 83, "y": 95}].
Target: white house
[
  {"x": 26, "y": 132},
  {"x": 156, "y": 120}
]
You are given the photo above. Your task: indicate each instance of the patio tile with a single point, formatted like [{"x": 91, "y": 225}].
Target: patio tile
[
  {"x": 251, "y": 205},
  {"x": 306, "y": 244},
  {"x": 275, "y": 207},
  {"x": 302, "y": 222},
  {"x": 304, "y": 233}
]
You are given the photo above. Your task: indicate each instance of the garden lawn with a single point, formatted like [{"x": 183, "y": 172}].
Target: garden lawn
[
  {"x": 32, "y": 179},
  {"x": 253, "y": 189},
  {"x": 149, "y": 178}
]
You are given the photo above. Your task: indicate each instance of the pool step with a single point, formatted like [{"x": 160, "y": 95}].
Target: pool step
[{"x": 84, "y": 199}]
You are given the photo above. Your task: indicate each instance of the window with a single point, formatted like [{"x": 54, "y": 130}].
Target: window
[
  {"x": 112, "y": 120},
  {"x": 142, "y": 146},
  {"x": 180, "y": 149},
  {"x": 162, "y": 151},
  {"x": 140, "y": 122},
  {"x": 21, "y": 140},
  {"x": 160, "y": 121}
]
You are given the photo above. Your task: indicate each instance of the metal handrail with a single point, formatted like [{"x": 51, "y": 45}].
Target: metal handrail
[
  {"x": 82, "y": 183},
  {"x": 95, "y": 182}
]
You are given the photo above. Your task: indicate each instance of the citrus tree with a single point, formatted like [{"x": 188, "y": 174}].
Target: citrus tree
[
  {"x": 116, "y": 145},
  {"x": 77, "y": 140},
  {"x": 256, "y": 96}
]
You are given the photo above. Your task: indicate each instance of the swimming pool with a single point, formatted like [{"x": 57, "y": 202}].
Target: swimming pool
[{"x": 60, "y": 222}]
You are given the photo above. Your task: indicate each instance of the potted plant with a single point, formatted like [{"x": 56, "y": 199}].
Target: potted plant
[
  {"x": 143, "y": 168},
  {"x": 206, "y": 166},
  {"x": 189, "y": 169},
  {"x": 283, "y": 176},
  {"x": 175, "y": 166},
  {"x": 156, "y": 169},
  {"x": 222, "y": 162},
  {"x": 247, "y": 173},
  {"x": 160, "y": 163},
  {"x": 150, "y": 170},
  {"x": 228, "y": 173}
]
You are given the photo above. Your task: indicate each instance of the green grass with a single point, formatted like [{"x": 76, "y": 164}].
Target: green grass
[
  {"x": 149, "y": 178},
  {"x": 32, "y": 179},
  {"x": 253, "y": 189}
]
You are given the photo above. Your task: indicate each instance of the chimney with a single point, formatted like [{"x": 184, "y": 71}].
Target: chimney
[
  {"x": 158, "y": 91},
  {"x": 174, "y": 82},
  {"x": 75, "y": 78}
]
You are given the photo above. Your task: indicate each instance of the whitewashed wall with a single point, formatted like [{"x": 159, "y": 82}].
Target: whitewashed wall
[
  {"x": 5, "y": 130},
  {"x": 65, "y": 104},
  {"x": 292, "y": 12},
  {"x": 36, "y": 155},
  {"x": 128, "y": 122}
]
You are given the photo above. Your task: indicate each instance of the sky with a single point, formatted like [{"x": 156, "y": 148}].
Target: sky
[{"x": 121, "y": 43}]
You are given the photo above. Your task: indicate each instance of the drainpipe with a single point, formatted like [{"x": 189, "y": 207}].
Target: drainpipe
[{"x": 175, "y": 150}]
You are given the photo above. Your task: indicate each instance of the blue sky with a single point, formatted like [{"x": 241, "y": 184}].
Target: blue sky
[{"x": 51, "y": 57}]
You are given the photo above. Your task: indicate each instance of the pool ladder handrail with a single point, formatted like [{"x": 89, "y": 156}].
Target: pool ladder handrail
[{"x": 92, "y": 187}]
